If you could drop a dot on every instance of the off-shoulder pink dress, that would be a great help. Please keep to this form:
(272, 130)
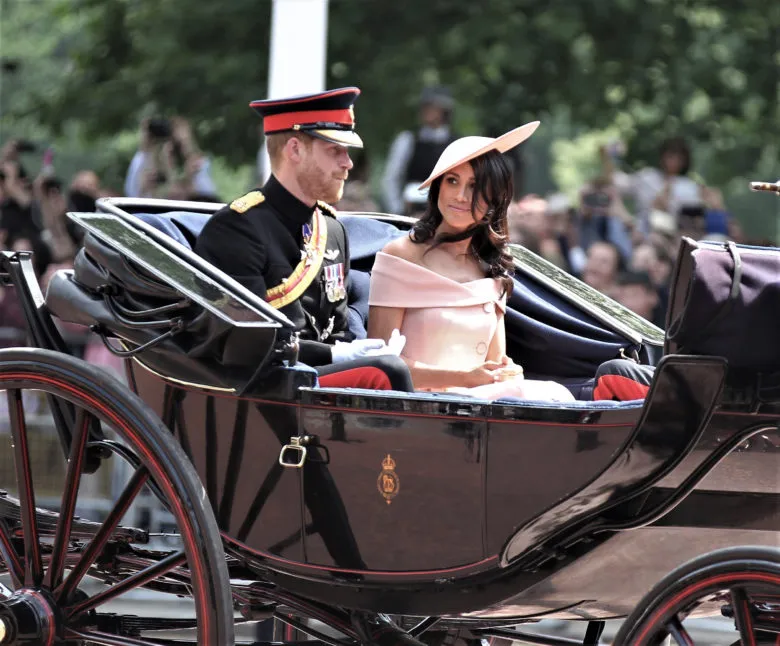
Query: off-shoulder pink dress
(451, 324)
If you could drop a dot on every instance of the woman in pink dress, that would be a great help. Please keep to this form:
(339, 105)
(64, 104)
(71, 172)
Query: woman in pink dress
(445, 286)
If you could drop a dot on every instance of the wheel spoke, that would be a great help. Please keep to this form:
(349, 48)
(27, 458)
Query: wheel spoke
(678, 632)
(744, 620)
(136, 580)
(69, 496)
(9, 556)
(132, 489)
(33, 569)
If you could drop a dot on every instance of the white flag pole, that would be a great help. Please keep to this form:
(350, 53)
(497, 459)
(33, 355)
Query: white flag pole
(298, 55)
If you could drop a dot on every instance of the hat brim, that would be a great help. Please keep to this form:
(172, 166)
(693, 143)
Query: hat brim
(465, 149)
(342, 137)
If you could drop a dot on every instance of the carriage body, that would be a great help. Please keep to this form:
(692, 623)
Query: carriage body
(428, 504)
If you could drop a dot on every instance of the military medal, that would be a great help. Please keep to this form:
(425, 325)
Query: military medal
(307, 253)
(334, 282)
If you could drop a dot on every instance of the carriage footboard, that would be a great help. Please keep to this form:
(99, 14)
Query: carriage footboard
(678, 407)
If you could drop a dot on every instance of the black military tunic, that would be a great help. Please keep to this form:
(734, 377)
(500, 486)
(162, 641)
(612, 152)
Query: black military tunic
(261, 246)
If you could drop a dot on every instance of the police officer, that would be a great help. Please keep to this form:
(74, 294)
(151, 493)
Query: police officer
(285, 244)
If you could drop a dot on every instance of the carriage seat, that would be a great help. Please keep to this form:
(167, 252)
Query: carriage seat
(182, 226)
(366, 237)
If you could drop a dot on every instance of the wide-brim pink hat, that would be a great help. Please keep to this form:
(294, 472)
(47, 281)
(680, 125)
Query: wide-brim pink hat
(467, 148)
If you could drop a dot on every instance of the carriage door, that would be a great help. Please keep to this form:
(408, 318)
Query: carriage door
(395, 483)
(234, 444)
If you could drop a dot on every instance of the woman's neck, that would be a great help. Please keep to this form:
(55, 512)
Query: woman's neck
(459, 249)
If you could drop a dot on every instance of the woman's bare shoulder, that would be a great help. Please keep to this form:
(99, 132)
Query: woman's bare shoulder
(403, 248)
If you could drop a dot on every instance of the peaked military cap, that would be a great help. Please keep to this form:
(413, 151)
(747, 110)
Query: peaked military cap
(328, 115)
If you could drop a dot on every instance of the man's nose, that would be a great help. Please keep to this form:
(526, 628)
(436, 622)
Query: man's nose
(346, 162)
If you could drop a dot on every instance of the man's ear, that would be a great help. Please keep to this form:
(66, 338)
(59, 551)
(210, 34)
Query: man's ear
(293, 150)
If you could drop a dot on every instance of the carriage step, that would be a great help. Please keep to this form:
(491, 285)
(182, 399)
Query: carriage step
(47, 523)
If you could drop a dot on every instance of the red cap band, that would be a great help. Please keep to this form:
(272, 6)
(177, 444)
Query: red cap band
(286, 121)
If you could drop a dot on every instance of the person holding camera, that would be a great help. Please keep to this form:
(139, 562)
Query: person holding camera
(16, 196)
(667, 188)
(169, 163)
(601, 216)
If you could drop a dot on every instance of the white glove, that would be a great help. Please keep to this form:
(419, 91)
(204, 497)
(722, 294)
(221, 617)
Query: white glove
(355, 349)
(341, 352)
(394, 346)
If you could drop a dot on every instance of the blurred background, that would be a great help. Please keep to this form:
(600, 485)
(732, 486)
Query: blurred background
(655, 115)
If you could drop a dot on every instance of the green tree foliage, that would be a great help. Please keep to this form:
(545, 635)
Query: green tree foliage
(647, 68)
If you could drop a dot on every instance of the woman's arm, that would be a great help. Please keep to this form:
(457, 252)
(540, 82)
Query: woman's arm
(497, 349)
(381, 323)
(497, 352)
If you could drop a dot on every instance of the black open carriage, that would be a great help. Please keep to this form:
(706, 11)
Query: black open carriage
(372, 517)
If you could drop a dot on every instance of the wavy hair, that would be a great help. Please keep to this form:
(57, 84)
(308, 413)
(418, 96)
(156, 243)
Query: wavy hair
(489, 237)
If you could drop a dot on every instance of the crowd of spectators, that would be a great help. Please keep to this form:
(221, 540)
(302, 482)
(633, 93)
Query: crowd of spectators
(622, 233)
(167, 164)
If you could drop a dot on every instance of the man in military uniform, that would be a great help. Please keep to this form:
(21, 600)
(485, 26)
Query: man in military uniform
(285, 244)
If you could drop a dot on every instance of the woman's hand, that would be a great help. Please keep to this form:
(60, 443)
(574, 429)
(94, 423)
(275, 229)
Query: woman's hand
(509, 370)
(487, 373)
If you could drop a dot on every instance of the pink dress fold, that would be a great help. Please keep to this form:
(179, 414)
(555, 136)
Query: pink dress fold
(451, 324)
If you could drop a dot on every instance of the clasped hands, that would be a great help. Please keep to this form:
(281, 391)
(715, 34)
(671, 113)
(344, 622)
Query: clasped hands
(368, 348)
(493, 371)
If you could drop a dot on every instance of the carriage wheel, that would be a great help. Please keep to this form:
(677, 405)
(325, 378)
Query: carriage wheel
(57, 562)
(741, 583)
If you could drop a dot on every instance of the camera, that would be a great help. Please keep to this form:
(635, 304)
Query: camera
(25, 146)
(693, 211)
(597, 200)
(159, 128)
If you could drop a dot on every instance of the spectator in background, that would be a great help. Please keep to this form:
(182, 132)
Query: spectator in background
(357, 190)
(653, 260)
(636, 291)
(16, 200)
(666, 188)
(413, 154)
(601, 217)
(168, 163)
(532, 225)
(602, 266)
(357, 197)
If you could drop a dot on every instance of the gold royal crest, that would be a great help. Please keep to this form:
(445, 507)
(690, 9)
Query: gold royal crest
(388, 481)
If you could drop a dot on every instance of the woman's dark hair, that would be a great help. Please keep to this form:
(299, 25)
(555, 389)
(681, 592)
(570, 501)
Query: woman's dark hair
(489, 238)
(680, 146)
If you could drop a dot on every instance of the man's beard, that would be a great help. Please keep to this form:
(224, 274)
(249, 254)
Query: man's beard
(320, 185)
